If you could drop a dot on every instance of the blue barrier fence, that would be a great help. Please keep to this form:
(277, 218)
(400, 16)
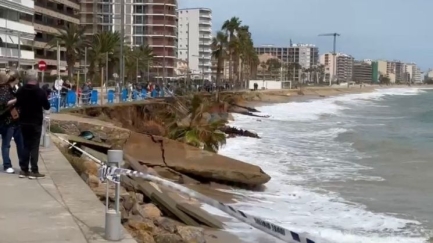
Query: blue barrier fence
(70, 100)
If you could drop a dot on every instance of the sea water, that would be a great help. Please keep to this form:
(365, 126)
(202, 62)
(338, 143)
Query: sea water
(352, 168)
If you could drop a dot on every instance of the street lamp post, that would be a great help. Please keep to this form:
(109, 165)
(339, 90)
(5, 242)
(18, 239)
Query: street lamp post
(122, 36)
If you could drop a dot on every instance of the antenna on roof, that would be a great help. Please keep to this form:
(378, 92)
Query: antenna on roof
(291, 44)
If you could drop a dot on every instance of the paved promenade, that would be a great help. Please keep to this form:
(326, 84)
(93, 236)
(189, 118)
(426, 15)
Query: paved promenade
(58, 209)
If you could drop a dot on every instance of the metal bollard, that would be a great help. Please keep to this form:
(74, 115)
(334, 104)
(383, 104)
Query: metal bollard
(113, 225)
(44, 127)
(45, 135)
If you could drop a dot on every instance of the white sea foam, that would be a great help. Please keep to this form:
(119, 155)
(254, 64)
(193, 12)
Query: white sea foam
(298, 149)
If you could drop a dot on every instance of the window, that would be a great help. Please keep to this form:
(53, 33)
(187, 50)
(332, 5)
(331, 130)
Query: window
(138, 19)
(138, 40)
(138, 30)
(139, 9)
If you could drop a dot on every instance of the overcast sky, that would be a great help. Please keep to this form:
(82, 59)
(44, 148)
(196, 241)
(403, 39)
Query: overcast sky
(376, 29)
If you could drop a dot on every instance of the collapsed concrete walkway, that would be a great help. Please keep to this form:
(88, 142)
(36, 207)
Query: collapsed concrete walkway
(60, 208)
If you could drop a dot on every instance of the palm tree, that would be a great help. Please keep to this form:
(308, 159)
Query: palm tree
(273, 65)
(103, 45)
(247, 54)
(231, 27)
(137, 58)
(196, 129)
(263, 67)
(292, 68)
(219, 44)
(72, 39)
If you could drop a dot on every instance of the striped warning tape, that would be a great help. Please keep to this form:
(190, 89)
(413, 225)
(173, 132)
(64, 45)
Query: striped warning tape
(113, 174)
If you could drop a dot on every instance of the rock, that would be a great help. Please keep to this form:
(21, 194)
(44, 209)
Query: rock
(151, 211)
(191, 234)
(100, 191)
(139, 197)
(192, 161)
(128, 202)
(91, 168)
(124, 214)
(145, 225)
(93, 181)
(168, 238)
(144, 237)
(138, 210)
(166, 224)
(141, 230)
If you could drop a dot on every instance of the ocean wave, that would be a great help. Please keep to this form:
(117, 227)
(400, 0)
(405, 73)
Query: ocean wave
(301, 147)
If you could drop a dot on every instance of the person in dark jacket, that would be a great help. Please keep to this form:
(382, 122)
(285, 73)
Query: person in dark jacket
(9, 126)
(31, 100)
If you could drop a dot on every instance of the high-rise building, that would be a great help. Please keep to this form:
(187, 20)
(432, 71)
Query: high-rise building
(282, 53)
(195, 39)
(49, 17)
(146, 22)
(343, 66)
(16, 37)
(306, 55)
(362, 72)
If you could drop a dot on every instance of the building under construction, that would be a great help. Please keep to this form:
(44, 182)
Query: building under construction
(146, 22)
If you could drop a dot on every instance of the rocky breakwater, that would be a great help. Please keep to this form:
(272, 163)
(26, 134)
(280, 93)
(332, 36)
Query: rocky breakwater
(146, 214)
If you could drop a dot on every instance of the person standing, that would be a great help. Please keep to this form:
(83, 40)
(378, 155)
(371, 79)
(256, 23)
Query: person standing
(66, 86)
(31, 99)
(9, 127)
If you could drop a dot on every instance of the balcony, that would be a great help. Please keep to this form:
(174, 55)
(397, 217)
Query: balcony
(10, 53)
(22, 6)
(57, 14)
(160, 12)
(160, 2)
(205, 30)
(157, 34)
(26, 31)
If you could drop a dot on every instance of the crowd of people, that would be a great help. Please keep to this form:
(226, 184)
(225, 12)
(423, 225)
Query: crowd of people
(21, 119)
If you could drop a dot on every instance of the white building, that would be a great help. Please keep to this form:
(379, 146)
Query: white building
(14, 35)
(195, 39)
(413, 73)
(338, 69)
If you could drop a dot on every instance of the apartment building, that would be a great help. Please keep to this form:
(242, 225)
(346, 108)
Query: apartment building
(281, 53)
(48, 18)
(344, 67)
(146, 22)
(413, 73)
(362, 72)
(195, 39)
(338, 69)
(306, 55)
(16, 37)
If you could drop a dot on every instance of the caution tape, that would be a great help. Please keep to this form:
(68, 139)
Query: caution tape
(113, 174)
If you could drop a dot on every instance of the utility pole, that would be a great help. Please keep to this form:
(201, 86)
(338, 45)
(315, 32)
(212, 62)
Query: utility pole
(202, 65)
(122, 36)
(136, 70)
(19, 51)
(106, 70)
(85, 64)
(164, 70)
(188, 75)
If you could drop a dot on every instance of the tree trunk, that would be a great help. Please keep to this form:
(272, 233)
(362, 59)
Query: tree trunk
(70, 64)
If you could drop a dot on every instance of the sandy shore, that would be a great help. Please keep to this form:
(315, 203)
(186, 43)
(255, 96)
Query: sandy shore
(267, 97)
